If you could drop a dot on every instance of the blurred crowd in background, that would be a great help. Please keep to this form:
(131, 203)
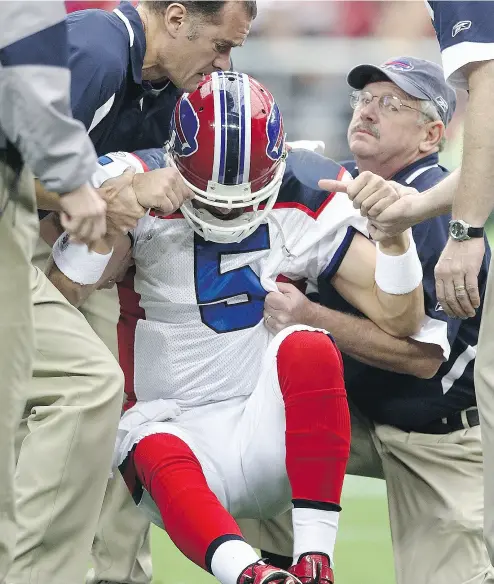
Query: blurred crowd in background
(303, 49)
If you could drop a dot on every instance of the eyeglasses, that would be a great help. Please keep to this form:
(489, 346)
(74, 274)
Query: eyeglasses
(388, 104)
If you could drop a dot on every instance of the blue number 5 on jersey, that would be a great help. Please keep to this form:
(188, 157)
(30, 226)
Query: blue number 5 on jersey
(213, 287)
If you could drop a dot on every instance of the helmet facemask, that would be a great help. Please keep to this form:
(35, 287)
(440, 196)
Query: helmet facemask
(223, 230)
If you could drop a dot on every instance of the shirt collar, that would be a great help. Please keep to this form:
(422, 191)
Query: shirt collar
(404, 175)
(128, 16)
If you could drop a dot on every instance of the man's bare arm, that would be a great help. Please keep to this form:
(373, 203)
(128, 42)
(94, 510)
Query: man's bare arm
(437, 200)
(46, 200)
(366, 342)
(393, 207)
(474, 199)
(358, 337)
(399, 315)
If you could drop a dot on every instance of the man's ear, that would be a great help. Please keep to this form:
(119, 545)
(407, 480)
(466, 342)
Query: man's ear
(175, 17)
(434, 133)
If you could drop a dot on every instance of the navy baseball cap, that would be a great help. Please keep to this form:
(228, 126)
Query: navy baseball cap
(419, 78)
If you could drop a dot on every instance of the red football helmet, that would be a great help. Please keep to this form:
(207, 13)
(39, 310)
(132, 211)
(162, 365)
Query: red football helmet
(227, 142)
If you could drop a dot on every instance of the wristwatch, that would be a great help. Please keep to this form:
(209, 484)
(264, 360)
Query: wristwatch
(461, 231)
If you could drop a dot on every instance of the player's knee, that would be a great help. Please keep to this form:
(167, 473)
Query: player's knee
(163, 452)
(309, 349)
(310, 355)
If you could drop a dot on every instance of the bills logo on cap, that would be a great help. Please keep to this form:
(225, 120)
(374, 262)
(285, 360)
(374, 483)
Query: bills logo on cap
(442, 103)
(398, 65)
(274, 131)
(185, 127)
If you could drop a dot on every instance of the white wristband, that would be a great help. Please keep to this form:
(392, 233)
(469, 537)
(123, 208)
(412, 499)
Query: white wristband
(314, 145)
(78, 263)
(399, 274)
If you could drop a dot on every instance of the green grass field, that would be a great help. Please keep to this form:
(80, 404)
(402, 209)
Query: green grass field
(363, 550)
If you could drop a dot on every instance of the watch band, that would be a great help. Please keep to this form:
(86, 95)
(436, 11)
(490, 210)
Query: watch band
(475, 232)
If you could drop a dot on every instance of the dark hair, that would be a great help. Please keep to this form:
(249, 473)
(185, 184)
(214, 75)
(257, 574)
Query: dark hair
(208, 9)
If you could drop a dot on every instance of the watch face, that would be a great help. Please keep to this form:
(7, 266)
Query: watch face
(457, 230)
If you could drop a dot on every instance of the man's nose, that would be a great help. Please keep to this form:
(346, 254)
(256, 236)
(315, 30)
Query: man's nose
(370, 112)
(223, 62)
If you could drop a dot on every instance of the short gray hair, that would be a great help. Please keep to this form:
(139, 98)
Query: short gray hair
(429, 113)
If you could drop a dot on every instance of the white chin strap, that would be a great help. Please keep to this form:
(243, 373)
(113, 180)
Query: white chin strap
(212, 228)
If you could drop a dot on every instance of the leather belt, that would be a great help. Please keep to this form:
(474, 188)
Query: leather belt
(10, 156)
(457, 421)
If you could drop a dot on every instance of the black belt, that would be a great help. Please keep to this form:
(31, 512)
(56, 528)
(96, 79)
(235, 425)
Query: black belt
(457, 421)
(11, 157)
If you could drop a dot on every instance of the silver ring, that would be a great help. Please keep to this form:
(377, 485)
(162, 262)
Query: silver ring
(459, 288)
(266, 318)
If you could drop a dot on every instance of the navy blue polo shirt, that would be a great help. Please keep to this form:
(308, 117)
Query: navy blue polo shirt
(120, 111)
(465, 31)
(406, 401)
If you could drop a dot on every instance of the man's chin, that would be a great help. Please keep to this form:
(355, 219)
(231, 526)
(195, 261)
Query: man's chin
(360, 147)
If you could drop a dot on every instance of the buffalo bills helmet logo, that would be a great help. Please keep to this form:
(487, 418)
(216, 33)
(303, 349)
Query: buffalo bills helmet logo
(274, 131)
(399, 65)
(185, 127)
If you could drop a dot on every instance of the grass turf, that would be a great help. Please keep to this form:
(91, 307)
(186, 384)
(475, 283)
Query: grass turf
(363, 550)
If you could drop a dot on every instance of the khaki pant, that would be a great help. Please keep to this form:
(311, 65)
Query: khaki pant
(121, 550)
(65, 442)
(484, 387)
(18, 230)
(435, 498)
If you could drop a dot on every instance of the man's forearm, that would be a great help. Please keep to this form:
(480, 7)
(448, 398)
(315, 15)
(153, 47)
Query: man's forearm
(403, 309)
(46, 200)
(439, 199)
(361, 339)
(474, 199)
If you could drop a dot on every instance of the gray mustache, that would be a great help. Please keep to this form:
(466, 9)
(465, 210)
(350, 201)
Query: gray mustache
(373, 131)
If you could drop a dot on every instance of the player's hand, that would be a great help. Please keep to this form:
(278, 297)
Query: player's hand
(389, 206)
(162, 189)
(456, 274)
(83, 215)
(123, 209)
(285, 308)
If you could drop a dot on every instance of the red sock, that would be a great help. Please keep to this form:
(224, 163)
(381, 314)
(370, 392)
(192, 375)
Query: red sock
(193, 517)
(310, 372)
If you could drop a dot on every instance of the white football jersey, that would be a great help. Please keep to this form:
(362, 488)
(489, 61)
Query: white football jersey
(192, 327)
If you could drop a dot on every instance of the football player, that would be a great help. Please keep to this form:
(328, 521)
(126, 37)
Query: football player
(224, 419)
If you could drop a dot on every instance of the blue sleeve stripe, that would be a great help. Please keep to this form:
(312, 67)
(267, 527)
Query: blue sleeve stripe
(104, 160)
(337, 258)
(47, 47)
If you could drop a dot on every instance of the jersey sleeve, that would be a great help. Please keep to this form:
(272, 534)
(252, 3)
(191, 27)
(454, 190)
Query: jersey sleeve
(465, 31)
(437, 328)
(115, 164)
(318, 227)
